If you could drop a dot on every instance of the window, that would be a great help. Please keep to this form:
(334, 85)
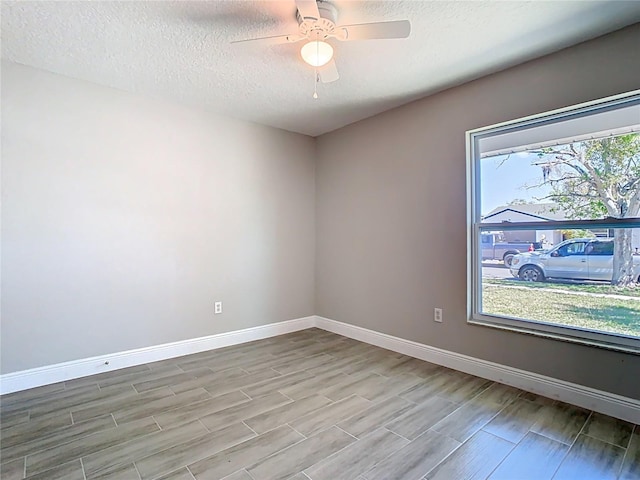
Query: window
(599, 248)
(576, 248)
(554, 224)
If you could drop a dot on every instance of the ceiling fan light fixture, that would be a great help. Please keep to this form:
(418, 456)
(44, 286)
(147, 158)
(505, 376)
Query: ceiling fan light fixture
(317, 53)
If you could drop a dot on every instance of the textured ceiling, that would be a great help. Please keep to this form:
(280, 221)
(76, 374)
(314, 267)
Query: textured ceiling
(179, 50)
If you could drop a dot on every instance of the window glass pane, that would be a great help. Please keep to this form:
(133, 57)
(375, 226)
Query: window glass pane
(575, 248)
(567, 281)
(598, 247)
(588, 179)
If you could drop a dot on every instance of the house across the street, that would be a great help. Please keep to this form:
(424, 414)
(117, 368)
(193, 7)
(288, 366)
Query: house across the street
(536, 212)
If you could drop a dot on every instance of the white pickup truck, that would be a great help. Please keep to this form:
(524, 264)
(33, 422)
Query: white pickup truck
(577, 259)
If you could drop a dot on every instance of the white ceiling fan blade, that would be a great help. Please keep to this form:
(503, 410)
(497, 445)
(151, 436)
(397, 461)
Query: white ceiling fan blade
(275, 40)
(329, 72)
(370, 31)
(308, 9)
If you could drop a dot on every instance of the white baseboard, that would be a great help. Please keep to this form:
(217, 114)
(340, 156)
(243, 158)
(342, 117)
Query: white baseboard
(36, 377)
(604, 402)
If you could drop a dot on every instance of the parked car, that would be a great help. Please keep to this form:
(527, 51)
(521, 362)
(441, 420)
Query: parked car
(577, 259)
(494, 247)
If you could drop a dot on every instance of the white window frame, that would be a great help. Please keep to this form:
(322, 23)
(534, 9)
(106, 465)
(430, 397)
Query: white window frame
(475, 226)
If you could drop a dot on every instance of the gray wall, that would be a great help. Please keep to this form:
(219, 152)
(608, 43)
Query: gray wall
(124, 218)
(391, 212)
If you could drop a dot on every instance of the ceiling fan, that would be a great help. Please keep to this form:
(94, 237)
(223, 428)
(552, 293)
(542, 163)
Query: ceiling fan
(317, 24)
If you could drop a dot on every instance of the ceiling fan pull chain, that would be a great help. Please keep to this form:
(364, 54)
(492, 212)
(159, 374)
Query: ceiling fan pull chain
(315, 84)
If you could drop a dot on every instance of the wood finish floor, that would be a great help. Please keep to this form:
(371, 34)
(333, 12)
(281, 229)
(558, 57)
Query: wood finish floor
(307, 405)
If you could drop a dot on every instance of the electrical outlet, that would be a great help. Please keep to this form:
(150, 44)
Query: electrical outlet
(217, 307)
(437, 315)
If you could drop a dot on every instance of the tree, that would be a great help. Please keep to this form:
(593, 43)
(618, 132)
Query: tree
(594, 179)
(573, 233)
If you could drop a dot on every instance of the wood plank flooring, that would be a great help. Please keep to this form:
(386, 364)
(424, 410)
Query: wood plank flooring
(307, 405)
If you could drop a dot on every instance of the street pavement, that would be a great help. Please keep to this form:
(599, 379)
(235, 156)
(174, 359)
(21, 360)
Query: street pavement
(495, 270)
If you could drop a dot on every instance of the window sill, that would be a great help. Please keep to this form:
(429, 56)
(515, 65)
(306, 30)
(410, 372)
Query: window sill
(560, 333)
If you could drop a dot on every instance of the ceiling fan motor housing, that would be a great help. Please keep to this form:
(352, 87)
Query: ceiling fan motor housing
(322, 27)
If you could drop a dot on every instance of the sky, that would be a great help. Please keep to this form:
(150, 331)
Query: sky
(503, 183)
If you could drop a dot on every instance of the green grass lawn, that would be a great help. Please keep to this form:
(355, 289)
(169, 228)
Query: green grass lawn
(603, 288)
(615, 315)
